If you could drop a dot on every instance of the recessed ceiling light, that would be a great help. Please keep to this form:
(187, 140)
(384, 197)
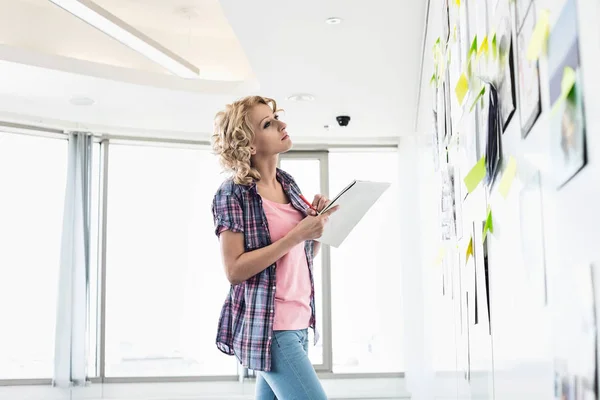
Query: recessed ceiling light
(187, 12)
(82, 101)
(333, 21)
(301, 97)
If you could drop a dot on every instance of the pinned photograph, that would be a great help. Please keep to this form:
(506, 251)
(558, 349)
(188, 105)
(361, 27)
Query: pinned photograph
(567, 126)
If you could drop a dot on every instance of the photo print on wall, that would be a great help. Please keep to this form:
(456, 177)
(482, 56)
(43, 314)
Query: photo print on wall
(567, 121)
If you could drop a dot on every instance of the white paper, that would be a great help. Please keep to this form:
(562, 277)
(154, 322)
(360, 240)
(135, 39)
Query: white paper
(354, 204)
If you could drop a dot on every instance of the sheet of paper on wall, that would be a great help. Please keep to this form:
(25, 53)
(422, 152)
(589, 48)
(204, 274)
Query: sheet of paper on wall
(354, 200)
(532, 236)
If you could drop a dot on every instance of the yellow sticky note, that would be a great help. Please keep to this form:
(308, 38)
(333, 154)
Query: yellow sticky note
(437, 54)
(461, 89)
(473, 49)
(479, 96)
(440, 256)
(539, 38)
(475, 175)
(469, 250)
(568, 81)
(457, 3)
(435, 49)
(566, 86)
(484, 47)
(469, 69)
(508, 176)
(489, 224)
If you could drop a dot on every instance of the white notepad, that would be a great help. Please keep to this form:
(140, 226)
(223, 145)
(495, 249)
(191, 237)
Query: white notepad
(354, 201)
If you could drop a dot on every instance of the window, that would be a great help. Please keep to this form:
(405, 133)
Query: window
(306, 170)
(164, 280)
(365, 272)
(33, 174)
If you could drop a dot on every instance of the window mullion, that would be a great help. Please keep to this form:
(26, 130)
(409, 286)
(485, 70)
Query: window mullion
(101, 349)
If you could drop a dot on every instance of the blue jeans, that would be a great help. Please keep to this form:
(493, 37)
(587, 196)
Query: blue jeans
(292, 376)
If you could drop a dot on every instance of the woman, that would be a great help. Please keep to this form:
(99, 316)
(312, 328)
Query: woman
(267, 238)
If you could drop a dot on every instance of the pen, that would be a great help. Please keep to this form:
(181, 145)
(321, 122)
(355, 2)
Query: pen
(308, 203)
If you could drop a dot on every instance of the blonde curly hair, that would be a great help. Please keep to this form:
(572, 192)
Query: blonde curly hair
(233, 135)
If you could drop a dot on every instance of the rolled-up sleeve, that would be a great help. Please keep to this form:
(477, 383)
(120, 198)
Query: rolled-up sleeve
(227, 213)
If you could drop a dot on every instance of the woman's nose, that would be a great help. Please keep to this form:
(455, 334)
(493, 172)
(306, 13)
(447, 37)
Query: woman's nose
(282, 125)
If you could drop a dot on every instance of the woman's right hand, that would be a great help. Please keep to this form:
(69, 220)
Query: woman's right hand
(311, 227)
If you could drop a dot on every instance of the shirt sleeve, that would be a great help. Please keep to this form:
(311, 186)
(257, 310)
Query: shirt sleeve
(227, 214)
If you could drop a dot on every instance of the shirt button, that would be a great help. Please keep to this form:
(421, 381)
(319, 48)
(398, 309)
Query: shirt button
(273, 287)
(271, 311)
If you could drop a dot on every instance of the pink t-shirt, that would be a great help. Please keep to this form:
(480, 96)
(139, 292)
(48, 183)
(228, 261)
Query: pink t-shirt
(293, 289)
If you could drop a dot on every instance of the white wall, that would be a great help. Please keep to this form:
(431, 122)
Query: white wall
(516, 362)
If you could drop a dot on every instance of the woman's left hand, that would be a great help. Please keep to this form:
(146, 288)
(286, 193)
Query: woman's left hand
(319, 203)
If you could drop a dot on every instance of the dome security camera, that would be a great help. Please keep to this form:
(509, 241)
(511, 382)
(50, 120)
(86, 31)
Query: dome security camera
(343, 120)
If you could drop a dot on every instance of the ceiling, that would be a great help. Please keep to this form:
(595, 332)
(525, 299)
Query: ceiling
(197, 30)
(366, 67)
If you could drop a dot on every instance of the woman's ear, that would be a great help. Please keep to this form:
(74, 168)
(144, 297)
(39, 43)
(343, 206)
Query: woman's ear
(253, 150)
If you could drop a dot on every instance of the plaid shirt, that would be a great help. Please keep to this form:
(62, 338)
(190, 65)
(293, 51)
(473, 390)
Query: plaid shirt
(246, 321)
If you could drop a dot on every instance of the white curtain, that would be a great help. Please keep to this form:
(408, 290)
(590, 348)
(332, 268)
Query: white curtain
(417, 313)
(73, 294)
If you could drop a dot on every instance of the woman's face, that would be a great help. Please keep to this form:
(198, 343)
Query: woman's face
(270, 135)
